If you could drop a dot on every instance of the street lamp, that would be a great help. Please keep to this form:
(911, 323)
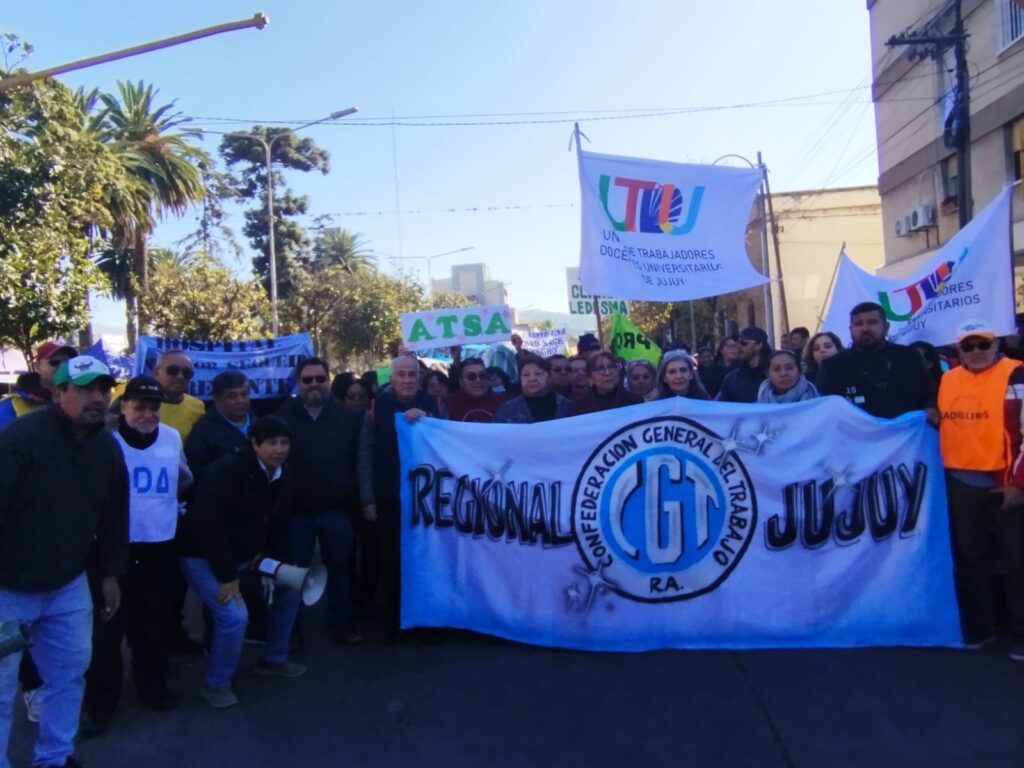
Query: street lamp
(268, 147)
(429, 260)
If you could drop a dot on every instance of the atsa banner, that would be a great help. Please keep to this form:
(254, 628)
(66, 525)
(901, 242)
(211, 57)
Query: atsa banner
(269, 364)
(680, 524)
(437, 328)
(968, 278)
(664, 231)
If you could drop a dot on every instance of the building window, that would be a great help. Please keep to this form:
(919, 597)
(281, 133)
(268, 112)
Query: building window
(949, 186)
(1013, 21)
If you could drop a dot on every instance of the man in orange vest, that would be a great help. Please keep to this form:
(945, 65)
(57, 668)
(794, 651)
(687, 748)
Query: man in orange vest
(980, 431)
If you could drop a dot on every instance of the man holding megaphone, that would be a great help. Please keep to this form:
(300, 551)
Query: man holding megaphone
(235, 525)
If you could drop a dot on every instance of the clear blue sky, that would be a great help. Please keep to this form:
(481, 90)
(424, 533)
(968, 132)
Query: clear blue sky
(451, 58)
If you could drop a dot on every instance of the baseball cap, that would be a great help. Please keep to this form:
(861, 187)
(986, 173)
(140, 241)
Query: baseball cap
(47, 349)
(82, 370)
(753, 333)
(974, 328)
(143, 388)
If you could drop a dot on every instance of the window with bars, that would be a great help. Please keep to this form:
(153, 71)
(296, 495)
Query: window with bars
(1013, 20)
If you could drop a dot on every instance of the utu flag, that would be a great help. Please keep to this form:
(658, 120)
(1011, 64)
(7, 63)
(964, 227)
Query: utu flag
(664, 231)
(680, 524)
(630, 343)
(968, 278)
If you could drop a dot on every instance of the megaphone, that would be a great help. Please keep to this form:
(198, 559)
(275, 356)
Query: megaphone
(310, 582)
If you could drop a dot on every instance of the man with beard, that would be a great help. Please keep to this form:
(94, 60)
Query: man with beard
(33, 391)
(741, 384)
(63, 492)
(324, 446)
(879, 376)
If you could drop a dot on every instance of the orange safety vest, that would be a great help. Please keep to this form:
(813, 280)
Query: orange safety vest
(972, 429)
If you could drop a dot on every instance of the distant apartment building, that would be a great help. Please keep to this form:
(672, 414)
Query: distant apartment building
(913, 89)
(473, 282)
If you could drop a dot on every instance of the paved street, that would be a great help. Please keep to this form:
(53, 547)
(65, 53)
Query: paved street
(475, 701)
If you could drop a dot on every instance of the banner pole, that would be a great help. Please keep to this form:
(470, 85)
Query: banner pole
(597, 299)
(784, 317)
(765, 265)
(831, 285)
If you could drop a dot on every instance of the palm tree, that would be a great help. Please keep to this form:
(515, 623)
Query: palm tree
(164, 168)
(346, 249)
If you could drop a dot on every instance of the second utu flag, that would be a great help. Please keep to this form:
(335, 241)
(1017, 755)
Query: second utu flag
(664, 231)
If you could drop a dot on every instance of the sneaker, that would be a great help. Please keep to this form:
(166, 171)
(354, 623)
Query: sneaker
(975, 643)
(220, 697)
(31, 705)
(1017, 651)
(280, 669)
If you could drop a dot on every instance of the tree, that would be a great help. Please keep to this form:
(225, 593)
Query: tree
(335, 245)
(165, 168)
(198, 298)
(54, 182)
(317, 292)
(366, 322)
(289, 151)
(213, 235)
(446, 299)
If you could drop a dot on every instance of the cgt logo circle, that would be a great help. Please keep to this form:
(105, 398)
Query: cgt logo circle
(663, 510)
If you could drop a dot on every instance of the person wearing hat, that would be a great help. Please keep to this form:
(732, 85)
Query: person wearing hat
(149, 615)
(980, 433)
(879, 376)
(741, 384)
(63, 492)
(35, 391)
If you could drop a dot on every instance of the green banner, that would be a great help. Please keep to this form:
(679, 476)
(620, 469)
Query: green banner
(630, 343)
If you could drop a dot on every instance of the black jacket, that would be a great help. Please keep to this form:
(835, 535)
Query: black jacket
(885, 382)
(323, 456)
(740, 385)
(236, 514)
(212, 437)
(58, 496)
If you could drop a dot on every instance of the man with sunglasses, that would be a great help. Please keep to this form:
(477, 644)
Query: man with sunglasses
(23, 400)
(174, 371)
(474, 400)
(324, 447)
(561, 378)
(63, 499)
(742, 383)
(980, 432)
(877, 375)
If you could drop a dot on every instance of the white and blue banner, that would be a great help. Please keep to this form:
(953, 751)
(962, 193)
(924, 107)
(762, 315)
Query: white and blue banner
(680, 524)
(545, 343)
(664, 231)
(269, 364)
(968, 278)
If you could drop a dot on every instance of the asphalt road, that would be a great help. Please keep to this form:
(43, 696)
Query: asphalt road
(476, 701)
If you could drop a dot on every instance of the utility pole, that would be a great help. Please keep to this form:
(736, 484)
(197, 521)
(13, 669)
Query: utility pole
(957, 132)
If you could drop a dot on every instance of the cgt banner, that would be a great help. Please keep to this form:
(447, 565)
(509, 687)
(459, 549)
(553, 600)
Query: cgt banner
(269, 364)
(664, 231)
(436, 328)
(680, 524)
(969, 278)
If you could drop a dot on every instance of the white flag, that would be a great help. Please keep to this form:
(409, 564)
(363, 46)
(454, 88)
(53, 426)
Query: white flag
(969, 278)
(664, 231)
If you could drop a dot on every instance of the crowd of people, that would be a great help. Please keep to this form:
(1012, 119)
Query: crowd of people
(111, 511)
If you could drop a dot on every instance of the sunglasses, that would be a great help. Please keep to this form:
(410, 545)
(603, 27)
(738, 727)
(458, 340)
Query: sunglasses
(970, 346)
(319, 379)
(179, 370)
(58, 362)
(471, 376)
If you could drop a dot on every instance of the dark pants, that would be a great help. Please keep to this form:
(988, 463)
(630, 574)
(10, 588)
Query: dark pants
(979, 527)
(390, 549)
(333, 529)
(365, 567)
(149, 618)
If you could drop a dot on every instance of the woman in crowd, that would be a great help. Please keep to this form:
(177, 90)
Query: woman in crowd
(435, 383)
(538, 402)
(820, 347)
(500, 381)
(677, 377)
(355, 396)
(709, 372)
(640, 378)
(933, 362)
(785, 383)
(606, 391)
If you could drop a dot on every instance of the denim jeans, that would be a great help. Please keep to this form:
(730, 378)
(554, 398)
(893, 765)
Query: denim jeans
(229, 621)
(334, 530)
(59, 624)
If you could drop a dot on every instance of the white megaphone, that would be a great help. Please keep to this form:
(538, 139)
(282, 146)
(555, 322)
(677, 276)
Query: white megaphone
(310, 582)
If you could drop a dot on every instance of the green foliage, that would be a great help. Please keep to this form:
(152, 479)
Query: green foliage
(446, 299)
(197, 297)
(367, 319)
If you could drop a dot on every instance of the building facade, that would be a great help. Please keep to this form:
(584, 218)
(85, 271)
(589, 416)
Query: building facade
(913, 89)
(473, 282)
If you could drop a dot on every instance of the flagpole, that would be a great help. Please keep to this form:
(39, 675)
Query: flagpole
(784, 318)
(597, 302)
(831, 285)
(762, 213)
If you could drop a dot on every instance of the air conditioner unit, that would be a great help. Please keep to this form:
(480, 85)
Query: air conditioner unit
(922, 217)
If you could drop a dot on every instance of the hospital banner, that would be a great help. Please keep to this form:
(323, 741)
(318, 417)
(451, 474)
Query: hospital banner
(268, 364)
(436, 328)
(664, 231)
(680, 524)
(968, 278)
(545, 343)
